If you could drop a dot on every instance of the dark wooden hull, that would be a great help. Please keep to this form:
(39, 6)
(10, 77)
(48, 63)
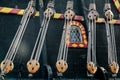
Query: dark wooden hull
(76, 57)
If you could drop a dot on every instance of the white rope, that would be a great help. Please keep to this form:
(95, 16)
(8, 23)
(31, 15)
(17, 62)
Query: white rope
(18, 44)
(92, 33)
(91, 54)
(36, 43)
(112, 53)
(16, 39)
(89, 44)
(114, 43)
(94, 42)
(43, 30)
(65, 46)
(67, 31)
(109, 43)
(62, 49)
(62, 42)
(42, 40)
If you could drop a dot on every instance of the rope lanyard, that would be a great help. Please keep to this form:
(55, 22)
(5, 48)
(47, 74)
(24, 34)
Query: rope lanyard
(61, 63)
(33, 64)
(112, 52)
(91, 54)
(7, 64)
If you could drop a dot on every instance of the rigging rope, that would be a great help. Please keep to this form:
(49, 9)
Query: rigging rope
(91, 54)
(7, 64)
(33, 64)
(112, 52)
(61, 63)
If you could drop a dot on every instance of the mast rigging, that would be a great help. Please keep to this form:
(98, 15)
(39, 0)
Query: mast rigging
(61, 63)
(112, 52)
(91, 54)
